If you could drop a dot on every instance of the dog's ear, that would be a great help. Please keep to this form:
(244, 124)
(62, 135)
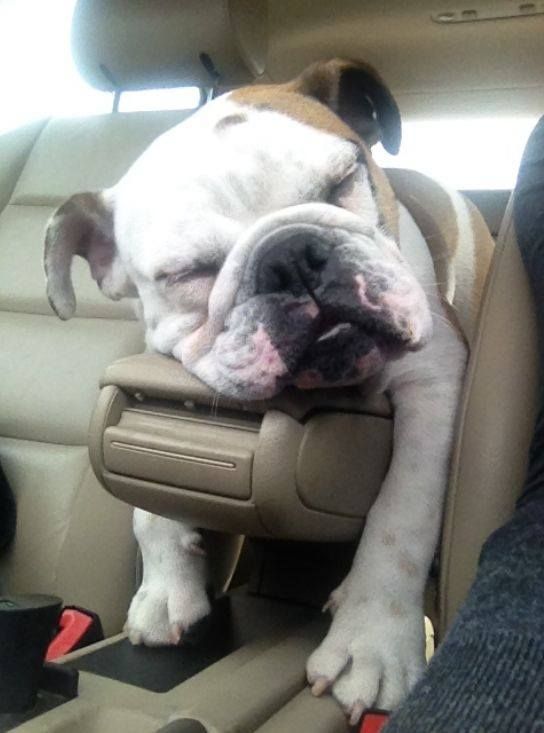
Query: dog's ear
(82, 226)
(357, 94)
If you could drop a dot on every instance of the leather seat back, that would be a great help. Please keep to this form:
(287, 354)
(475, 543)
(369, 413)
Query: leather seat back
(73, 539)
(495, 423)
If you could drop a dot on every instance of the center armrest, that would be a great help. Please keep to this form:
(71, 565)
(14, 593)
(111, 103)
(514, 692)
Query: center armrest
(304, 465)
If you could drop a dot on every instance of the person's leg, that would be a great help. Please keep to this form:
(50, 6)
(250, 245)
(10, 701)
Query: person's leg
(488, 675)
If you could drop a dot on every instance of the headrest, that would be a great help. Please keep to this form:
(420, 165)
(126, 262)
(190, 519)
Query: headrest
(144, 44)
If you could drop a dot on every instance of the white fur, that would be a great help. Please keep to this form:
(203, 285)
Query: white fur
(172, 595)
(196, 191)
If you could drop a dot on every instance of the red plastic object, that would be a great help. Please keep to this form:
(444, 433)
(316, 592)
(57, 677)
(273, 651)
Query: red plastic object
(73, 626)
(373, 721)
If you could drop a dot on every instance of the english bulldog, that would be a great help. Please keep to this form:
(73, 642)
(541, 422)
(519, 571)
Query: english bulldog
(268, 249)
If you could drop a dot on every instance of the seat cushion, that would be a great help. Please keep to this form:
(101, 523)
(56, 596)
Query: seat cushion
(496, 423)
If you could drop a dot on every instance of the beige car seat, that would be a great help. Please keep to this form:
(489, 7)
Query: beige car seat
(495, 423)
(72, 538)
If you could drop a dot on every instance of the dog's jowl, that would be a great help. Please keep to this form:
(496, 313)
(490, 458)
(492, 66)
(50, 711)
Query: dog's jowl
(268, 249)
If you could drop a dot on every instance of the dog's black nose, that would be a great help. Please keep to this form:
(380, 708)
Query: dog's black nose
(294, 266)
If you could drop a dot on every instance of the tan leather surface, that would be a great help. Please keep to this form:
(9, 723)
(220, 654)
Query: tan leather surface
(36, 470)
(50, 372)
(496, 423)
(301, 485)
(302, 471)
(342, 462)
(204, 454)
(72, 538)
(304, 712)
(14, 149)
(159, 43)
(87, 154)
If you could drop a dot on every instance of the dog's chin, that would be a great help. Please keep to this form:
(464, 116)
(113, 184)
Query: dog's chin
(348, 371)
(346, 356)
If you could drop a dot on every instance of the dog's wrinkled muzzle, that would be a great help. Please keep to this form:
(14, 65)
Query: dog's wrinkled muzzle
(309, 296)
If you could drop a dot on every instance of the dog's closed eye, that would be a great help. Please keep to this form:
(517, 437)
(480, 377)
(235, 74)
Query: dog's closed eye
(187, 274)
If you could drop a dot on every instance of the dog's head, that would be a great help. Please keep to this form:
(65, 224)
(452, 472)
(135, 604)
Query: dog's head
(260, 238)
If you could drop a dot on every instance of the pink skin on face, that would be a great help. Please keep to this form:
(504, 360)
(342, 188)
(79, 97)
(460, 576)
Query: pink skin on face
(361, 292)
(310, 309)
(260, 365)
(370, 364)
(406, 303)
(267, 358)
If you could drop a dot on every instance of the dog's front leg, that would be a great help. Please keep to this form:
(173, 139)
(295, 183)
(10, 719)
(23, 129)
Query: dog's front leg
(374, 650)
(172, 596)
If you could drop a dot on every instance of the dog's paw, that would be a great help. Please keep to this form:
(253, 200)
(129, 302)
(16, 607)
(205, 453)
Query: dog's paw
(371, 657)
(160, 613)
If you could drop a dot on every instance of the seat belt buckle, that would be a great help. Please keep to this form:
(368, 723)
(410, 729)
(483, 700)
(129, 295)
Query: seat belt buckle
(77, 627)
(373, 721)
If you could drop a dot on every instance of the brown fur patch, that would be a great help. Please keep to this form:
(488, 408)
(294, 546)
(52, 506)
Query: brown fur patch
(397, 609)
(483, 252)
(88, 210)
(89, 203)
(284, 98)
(230, 121)
(388, 539)
(433, 212)
(408, 567)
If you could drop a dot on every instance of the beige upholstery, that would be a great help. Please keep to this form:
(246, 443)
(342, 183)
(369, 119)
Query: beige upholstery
(298, 466)
(259, 687)
(72, 538)
(496, 422)
(434, 70)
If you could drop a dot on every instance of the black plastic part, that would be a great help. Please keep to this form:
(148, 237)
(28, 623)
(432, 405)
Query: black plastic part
(235, 620)
(60, 680)
(184, 725)
(27, 624)
(299, 572)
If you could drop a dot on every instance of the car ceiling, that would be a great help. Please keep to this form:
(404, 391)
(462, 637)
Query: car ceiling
(435, 69)
(449, 68)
